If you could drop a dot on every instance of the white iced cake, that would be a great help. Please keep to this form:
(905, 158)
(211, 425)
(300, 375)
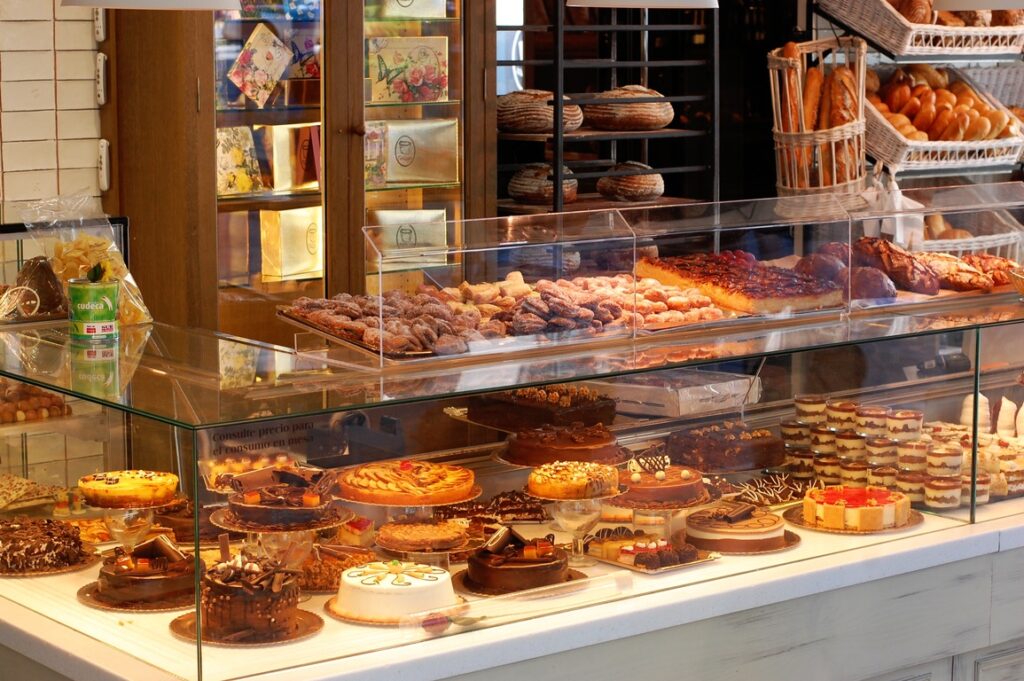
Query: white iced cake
(384, 592)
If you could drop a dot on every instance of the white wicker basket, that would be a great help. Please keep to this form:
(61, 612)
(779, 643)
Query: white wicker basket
(995, 233)
(799, 153)
(1005, 82)
(890, 30)
(888, 145)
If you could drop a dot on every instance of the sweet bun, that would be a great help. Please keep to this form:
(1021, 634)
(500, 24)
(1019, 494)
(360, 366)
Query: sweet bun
(533, 184)
(632, 116)
(820, 266)
(645, 187)
(529, 111)
(866, 283)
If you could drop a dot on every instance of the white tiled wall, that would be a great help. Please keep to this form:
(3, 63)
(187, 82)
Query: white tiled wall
(49, 123)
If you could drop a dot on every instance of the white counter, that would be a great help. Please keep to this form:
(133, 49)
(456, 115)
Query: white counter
(91, 644)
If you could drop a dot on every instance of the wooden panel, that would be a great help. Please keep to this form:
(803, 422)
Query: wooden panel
(999, 663)
(1008, 596)
(481, 128)
(848, 635)
(160, 123)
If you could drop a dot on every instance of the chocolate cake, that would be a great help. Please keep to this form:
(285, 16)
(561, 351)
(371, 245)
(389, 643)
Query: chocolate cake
(249, 598)
(729, 446)
(31, 544)
(508, 563)
(576, 442)
(155, 570)
(37, 292)
(180, 517)
(290, 497)
(559, 405)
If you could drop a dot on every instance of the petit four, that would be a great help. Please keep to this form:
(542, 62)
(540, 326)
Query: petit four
(356, 532)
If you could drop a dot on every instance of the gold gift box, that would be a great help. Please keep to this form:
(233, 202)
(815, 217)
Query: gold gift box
(291, 243)
(413, 9)
(419, 236)
(423, 151)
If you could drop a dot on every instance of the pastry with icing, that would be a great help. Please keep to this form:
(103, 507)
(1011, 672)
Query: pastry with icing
(382, 592)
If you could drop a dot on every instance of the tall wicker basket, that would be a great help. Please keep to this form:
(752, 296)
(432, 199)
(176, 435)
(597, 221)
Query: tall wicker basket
(799, 153)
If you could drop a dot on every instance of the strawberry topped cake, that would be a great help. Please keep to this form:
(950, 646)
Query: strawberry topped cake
(863, 509)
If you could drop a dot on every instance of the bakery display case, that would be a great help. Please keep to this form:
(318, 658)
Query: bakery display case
(349, 507)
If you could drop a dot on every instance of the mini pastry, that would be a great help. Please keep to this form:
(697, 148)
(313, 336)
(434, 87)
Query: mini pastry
(945, 460)
(913, 456)
(882, 476)
(982, 489)
(882, 451)
(802, 467)
(912, 484)
(854, 473)
(823, 440)
(871, 421)
(984, 413)
(1006, 423)
(795, 433)
(851, 446)
(841, 414)
(904, 424)
(827, 468)
(942, 492)
(811, 408)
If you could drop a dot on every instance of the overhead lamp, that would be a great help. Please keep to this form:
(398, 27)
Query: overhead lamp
(154, 4)
(648, 4)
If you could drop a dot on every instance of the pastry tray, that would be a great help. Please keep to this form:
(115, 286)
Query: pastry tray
(702, 557)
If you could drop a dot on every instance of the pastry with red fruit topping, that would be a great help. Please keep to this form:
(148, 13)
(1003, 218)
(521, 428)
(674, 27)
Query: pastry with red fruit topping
(863, 509)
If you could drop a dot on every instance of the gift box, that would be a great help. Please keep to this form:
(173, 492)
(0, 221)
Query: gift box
(294, 10)
(305, 46)
(287, 155)
(421, 236)
(233, 247)
(413, 9)
(260, 65)
(238, 169)
(680, 392)
(422, 151)
(408, 69)
(375, 154)
(291, 243)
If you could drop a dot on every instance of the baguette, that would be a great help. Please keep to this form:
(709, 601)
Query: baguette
(929, 74)
(824, 122)
(844, 110)
(812, 97)
(791, 113)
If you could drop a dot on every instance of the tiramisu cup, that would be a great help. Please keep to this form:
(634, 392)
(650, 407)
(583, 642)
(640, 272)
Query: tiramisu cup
(871, 420)
(913, 456)
(802, 466)
(942, 492)
(881, 451)
(982, 490)
(827, 469)
(810, 408)
(945, 460)
(795, 433)
(904, 424)
(882, 476)
(911, 484)
(851, 446)
(854, 473)
(823, 440)
(841, 414)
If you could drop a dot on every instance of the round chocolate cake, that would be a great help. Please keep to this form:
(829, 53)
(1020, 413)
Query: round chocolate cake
(154, 571)
(548, 444)
(30, 544)
(510, 563)
(249, 598)
(279, 506)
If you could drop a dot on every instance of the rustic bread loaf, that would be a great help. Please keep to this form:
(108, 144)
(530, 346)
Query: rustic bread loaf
(529, 111)
(645, 187)
(635, 116)
(533, 183)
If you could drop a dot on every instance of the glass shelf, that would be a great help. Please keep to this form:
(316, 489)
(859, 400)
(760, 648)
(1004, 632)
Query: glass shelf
(415, 185)
(399, 105)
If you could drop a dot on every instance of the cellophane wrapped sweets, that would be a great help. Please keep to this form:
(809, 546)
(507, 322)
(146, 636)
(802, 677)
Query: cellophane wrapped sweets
(75, 242)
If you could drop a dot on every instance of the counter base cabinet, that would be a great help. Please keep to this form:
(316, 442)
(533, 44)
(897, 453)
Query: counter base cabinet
(1001, 663)
(940, 670)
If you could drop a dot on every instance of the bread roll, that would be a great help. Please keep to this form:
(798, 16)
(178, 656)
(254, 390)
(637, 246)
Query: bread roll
(949, 19)
(871, 81)
(1008, 17)
(645, 187)
(898, 97)
(529, 111)
(865, 283)
(934, 225)
(999, 121)
(948, 234)
(956, 130)
(975, 17)
(942, 121)
(929, 74)
(820, 266)
(533, 183)
(978, 129)
(636, 116)
(916, 11)
(925, 117)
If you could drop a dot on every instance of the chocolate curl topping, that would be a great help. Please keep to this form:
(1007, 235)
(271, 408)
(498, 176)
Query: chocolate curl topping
(498, 541)
(738, 512)
(325, 483)
(225, 547)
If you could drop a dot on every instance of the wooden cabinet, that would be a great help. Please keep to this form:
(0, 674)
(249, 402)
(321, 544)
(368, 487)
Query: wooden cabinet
(207, 258)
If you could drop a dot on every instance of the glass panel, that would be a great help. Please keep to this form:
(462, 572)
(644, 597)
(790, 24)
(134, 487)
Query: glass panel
(270, 233)
(414, 161)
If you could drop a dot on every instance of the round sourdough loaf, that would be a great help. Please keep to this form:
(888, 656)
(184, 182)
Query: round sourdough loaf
(632, 116)
(646, 187)
(533, 184)
(529, 111)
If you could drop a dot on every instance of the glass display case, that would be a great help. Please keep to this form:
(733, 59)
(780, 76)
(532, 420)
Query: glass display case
(345, 511)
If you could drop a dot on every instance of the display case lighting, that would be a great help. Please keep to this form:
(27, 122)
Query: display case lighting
(154, 4)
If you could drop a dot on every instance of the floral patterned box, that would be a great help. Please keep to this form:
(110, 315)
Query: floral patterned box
(375, 154)
(238, 169)
(260, 65)
(413, 9)
(408, 69)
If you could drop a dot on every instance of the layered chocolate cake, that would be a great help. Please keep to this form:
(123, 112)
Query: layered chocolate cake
(508, 563)
(558, 405)
(155, 570)
(736, 528)
(249, 598)
(563, 443)
(31, 544)
(283, 498)
(180, 518)
(729, 446)
(652, 479)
